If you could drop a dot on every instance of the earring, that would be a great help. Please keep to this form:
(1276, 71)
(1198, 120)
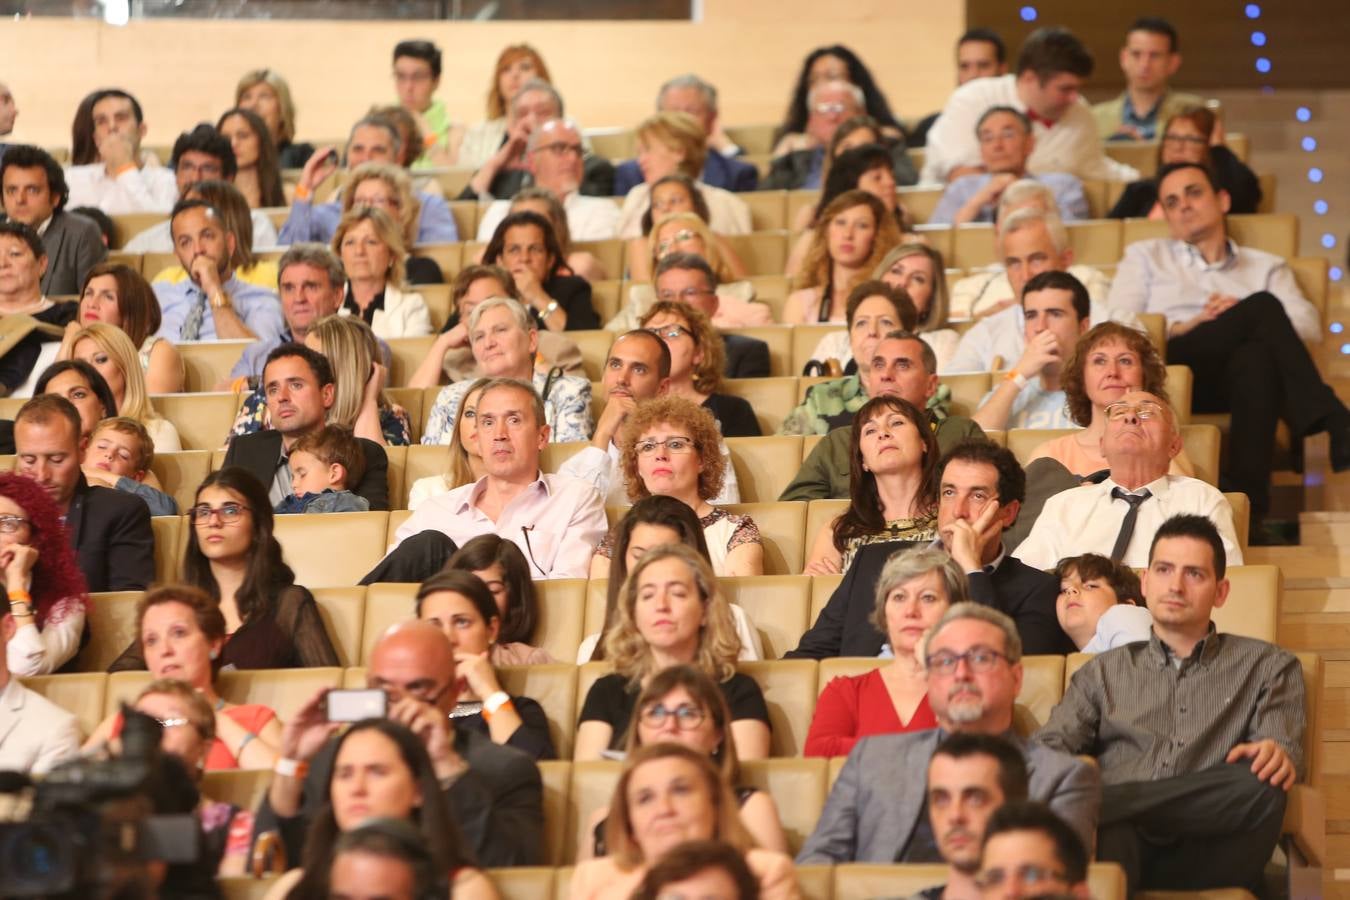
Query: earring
(214, 654)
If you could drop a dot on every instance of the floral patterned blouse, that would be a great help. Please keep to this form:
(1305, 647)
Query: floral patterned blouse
(395, 423)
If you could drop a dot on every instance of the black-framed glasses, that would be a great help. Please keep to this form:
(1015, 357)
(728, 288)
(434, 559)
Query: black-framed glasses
(227, 513)
(671, 332)
(1028, 874)
(687, 716)
(11, 524)
(980, 659)
(674, 446)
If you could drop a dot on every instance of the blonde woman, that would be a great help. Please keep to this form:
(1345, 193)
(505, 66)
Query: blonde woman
(372, 252)
(389, 188)
(670, 143)
(108, 349)
(266, 93)
(852, 236)
(516, 65)
(465, 463)
(670, 613)
(677, 193)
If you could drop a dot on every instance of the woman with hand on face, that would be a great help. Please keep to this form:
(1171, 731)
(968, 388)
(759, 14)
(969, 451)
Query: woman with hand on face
(382, 771)
(915, 588)
(86, 389)
(462, 607)
(43, 583)
(918, 270)
(893, 475)
(671, 613)
(266, 93)
(108, 349)
(852, 235)
(582, 263)
(182, 634)
(465, 464)
(117, 295)
(669, 794)
(697, 361)
(450, 353)
(500, 565)
(258, 176)
(681, 705)
(516, 65)
(372, 254)
(526, 245)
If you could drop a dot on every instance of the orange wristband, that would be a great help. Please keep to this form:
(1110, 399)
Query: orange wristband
(301, 192)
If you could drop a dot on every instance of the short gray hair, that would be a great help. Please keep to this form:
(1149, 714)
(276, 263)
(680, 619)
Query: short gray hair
(316, 255)
(518, 313)
(906, 565)
(1025, 218)
(536, 402)
(859, 99)
(383, 124)
(926, 353)
(1012, 641)
(689, 81)
(541, 86)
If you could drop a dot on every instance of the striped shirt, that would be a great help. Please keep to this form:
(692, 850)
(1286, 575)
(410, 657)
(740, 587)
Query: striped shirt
(1147, 716)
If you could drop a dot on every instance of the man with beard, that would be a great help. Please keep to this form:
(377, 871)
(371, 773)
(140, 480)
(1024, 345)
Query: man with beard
(877, 810)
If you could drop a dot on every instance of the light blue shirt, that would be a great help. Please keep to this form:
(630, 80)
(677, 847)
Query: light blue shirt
(1035, 407)
(257, 306)
(1068, 191)
(318, 222)
(1120, 625)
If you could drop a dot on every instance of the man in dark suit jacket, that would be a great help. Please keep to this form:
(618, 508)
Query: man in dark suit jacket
(34, 192)
(687, 278)
(299, 386)
(981, 491)
(109, 530)
(494, 794)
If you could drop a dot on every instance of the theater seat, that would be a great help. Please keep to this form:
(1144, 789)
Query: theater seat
(207, 364)
(781, 527)
(856, 881)
(789, 687)
(180, 474)
(523, 882)
(557, 779)
(607, 297)
(771, 398)
(798, 790)
(779, 339)
(804, 341)
(822, 586)
(967, 391)
(1155, 326)
(343, 610)
(768, 209)
(552, 686)
(419, 461)
(386, 603)
(1042, 688)
(407, 354)
(1241, 505)
(203, 420)
(242, 787)
(592, 788)
(777, 605)
(920, 202)
(80, 693)
(284, 690)
(309, 544)
(763, 252)
(596, 597)
(765, 465)
(411, 400)
(111, 619)
(550, 459)
(437, 296)
(973, 245)
(171, 535)
(1253, 605)
(242, 887)
(816, 882)
(820, 513)
(562, 604)
(1095, 242)
(609, 253)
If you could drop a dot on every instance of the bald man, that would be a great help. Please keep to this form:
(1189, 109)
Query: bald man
(493, 793)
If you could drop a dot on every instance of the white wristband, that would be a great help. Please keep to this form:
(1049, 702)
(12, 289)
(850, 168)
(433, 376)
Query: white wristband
(1018, 379)
(288, 768)
(496, 701)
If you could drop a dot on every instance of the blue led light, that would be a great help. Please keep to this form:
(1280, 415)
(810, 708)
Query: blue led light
(1329, 241)
(1303, 114)
(1345, 348)
(1253, 11)
(1258, 38)
(1309, 144)
(1320, 207)
(1028, 13)
(1335, 273)
(1315, 175)
(1262, 64)
(1336, 328)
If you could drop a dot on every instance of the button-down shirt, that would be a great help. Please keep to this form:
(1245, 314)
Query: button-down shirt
(567, 409)
(1087, 519)
(1067, 189)
(1035, 407)
(1145, 717)
(588, 218)
(1172, 277)
(1071, 145)
(604, 469)
(258, 307)
(147, 189)
(556, 521)
(310, 221)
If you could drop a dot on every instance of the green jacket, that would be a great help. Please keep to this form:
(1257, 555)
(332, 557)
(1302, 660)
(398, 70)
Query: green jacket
(824, 475)
(1109, 113)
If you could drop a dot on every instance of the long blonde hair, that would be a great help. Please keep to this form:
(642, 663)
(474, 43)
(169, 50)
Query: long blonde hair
(818, 265)
(114, 342)
(409, 207)
(718, 645)
(351, 349)
(458, 471)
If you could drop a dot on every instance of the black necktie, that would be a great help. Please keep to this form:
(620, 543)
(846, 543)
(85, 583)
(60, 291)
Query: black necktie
(1127, 526)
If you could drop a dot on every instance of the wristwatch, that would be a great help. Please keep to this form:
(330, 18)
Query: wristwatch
(18, 608)
(219, 300)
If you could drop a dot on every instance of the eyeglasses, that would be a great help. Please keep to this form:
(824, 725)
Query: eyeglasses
(684, 234)
(11, 524)
(980, 659)
(1143, 411)
(1007, 134)
(673, 445)
(423, 689)
(559, 149)
(1184, 139)
(688, 295)
(1028, 874)
(173, 723)
(227, 513)
(687, 716)
(671, 332)
(831, 109)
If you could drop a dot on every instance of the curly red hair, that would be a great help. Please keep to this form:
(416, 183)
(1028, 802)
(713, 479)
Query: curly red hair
(56, 575)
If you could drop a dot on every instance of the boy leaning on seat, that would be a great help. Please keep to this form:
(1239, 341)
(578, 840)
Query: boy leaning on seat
(322, 465)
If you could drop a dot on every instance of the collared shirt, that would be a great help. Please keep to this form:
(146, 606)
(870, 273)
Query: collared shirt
(1087, 519)
(1071, 146)
(367, 315)
(1122, 624)
(556, 521)
(1145, 718)
(147, 189)
(604, 469)
(1068, 191)
(1003, 335)
(1035, 407)
(588, 218)
(158, 238)
(258, 307)
(1171, 277)
(975, 294)
(281, 486)
(567, 409)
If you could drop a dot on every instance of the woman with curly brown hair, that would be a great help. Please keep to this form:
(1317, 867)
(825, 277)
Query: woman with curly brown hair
(1107, 362)
(43, 583)
(697, 361)
(670, 446)
(670, 613)
(851, 236)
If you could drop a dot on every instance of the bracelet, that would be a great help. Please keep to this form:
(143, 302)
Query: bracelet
(19, 595)
(291, 768)
(494, 702)
(220, 301)
(301, 192)
(248, 736)
(553, 306)
(1017, 378)
(19, 610)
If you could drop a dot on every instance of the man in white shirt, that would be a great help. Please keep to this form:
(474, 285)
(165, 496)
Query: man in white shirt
(35, 734)
(120, 182)
(1117, 518)
(1029, 242)
(555, 520)
(1055, 312)
(554, 158)
(1237, 317)
(1051, 70)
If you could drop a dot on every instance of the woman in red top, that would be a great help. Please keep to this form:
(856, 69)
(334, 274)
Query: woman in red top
(181, 631)
(914, 590)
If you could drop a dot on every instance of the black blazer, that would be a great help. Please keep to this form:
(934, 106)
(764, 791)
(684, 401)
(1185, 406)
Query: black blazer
(261, 451)
(74, 245)
(111, 534)
(747, 357)
(844, 627)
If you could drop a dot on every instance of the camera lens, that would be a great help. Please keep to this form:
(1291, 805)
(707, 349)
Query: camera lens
(35, 860)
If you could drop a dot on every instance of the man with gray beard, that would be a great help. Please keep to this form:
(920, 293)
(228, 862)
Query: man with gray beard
(877, 810)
